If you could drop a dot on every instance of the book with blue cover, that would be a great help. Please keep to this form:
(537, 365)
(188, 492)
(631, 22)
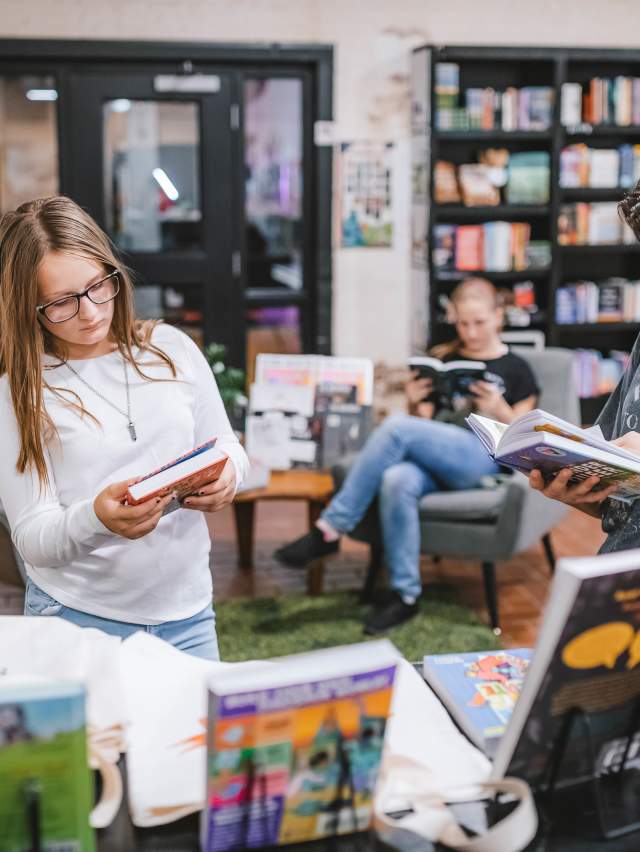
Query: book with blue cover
(479, 689)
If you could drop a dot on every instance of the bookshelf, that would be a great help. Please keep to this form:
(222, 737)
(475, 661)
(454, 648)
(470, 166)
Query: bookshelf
(501, 68)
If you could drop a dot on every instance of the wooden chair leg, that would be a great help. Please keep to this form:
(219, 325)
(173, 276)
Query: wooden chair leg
(373, 573)
(548, 552)
(491, 595)
(244, 517)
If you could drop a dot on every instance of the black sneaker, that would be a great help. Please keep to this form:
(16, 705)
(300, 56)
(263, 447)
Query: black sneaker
(306, 549)
(390, 614)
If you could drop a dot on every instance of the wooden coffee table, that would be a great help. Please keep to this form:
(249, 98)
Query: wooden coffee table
(315, 487)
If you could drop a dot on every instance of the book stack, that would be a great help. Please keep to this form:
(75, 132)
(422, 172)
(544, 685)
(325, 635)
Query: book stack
(599, 168)
(492, 246)
(528, 178)
(612, 300)
(526, 108)
(598, 374)
(596, 223)
(602, 100)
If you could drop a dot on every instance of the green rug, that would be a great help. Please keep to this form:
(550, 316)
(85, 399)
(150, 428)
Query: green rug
(259, 628)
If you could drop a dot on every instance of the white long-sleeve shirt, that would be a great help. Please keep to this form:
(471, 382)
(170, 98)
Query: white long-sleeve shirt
(69, 553)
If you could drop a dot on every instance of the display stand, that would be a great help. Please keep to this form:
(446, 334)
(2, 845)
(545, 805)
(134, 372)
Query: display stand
(32, 812)
(598, 781)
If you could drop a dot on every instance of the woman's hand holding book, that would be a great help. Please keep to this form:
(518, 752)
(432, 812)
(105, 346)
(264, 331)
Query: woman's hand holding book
(584, 495)
(128, 521)
(215, 495)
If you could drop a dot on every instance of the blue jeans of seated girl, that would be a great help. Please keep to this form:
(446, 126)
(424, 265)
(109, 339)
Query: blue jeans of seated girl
(195, 635)
(404, 459)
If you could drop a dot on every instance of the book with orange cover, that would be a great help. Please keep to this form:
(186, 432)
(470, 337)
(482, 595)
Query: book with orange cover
(183, 476)
(469, 247)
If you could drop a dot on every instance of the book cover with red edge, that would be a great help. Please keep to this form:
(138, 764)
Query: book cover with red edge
(201, 448)
(183, 485)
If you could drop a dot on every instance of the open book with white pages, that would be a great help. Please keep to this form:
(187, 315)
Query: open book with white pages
(539, 440)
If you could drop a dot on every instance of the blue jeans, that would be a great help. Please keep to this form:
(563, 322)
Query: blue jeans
(195, 635)
(404, 459)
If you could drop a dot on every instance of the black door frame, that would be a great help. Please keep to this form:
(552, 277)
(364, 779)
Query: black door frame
(63, 56)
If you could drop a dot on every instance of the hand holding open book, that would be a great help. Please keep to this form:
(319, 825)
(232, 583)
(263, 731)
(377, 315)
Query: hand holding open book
(540, 441)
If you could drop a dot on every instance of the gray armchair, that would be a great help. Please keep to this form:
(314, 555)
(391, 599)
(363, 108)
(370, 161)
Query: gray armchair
(488, 524)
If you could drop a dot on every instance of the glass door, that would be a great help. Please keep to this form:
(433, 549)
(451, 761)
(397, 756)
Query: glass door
(152, 161)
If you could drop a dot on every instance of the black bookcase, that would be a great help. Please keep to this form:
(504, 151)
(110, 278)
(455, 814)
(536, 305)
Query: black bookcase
(499, 67)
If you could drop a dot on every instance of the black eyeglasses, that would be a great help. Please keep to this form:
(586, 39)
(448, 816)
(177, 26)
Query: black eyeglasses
(61, 310)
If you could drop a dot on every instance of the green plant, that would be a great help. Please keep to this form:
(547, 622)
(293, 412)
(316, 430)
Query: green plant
(231, 380)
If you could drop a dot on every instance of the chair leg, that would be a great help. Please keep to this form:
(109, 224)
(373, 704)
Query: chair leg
(548, 552)
(490, 591)
(373, 572)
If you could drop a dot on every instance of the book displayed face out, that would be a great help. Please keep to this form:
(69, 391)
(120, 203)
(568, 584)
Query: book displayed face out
(586, 661)
(295, 747)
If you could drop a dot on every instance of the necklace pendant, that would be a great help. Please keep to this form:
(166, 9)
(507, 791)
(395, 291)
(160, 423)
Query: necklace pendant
(132, 431)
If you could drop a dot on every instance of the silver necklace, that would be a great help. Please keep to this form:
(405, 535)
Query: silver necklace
(127, 413)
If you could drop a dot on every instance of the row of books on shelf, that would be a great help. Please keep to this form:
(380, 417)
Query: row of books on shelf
(613, 300)
(498, 177)
(525, 108)
(592, 223)
(601, 100)
(495, 246)
(599, 168)
(599, 374)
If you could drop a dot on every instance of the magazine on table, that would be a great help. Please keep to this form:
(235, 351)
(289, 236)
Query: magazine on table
(539, 440)
(586, 661)
(479, 689)
(295, 747)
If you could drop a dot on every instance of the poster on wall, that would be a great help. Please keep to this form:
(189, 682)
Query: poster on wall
(365, 190)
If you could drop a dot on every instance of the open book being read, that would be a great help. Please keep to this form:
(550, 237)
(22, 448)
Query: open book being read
(538, 440)
(451, 377)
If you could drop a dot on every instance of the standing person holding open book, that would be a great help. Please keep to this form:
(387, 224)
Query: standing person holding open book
(91, 399)
(428, 450)
(620, 424)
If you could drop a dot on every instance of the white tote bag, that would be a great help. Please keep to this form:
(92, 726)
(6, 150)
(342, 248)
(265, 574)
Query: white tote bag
(428, 762)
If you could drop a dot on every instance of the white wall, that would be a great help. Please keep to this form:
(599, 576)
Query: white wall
(373, 40)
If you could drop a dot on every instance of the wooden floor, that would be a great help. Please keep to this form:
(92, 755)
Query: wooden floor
(523, 581)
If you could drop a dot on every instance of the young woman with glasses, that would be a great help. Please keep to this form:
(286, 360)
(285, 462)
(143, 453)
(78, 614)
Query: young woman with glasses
(91, 398)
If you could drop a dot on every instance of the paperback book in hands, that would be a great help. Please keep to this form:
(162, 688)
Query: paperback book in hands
(183, 476)
(538, 440)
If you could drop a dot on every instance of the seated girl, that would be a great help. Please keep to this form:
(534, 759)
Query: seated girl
(429, 449)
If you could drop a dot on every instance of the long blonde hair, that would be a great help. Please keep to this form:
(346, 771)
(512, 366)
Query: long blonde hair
(471, 289)
(26, 236)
